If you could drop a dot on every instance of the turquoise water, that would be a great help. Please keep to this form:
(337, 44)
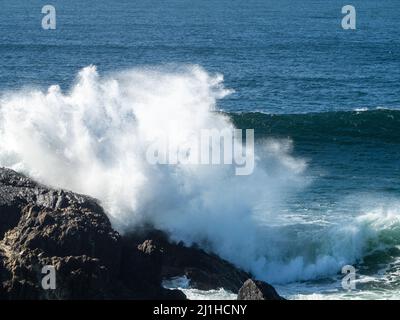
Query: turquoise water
(296, 74)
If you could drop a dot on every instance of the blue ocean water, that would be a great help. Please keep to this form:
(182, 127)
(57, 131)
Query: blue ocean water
(285, 57)
(295, 72)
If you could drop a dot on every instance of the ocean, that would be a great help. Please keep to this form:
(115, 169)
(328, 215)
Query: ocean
(79, 104)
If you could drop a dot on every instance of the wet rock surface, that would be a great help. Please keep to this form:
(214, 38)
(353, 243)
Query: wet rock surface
(40, 226)
(206, 271)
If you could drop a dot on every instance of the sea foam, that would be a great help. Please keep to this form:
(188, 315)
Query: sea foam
(93, 140)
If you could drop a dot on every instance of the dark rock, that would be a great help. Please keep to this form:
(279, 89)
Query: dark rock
(141, 268)
(173, 295)
(206, 271)
(66, 232)
(53, 227)
(40, 226)
(71, 232)
(257, 290)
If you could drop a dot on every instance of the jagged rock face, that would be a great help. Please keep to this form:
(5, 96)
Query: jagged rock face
(11, 201)
(41, 227)
(206, 271)
(66, 232)
(79, 244)
(71, 232)
(17, 191)
(257, 290)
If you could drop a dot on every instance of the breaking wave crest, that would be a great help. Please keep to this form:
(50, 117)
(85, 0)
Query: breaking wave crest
(93, 140)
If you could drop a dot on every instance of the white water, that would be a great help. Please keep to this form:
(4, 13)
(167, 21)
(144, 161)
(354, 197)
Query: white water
(182, 283)
(93, 140)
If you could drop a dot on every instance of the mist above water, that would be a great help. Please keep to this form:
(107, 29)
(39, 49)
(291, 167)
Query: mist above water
(94, 138)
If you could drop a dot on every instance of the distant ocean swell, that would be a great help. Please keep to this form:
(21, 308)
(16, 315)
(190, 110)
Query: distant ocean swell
(348, 126)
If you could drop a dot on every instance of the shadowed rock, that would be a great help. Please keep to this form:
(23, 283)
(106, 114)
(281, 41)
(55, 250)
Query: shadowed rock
(206, 271)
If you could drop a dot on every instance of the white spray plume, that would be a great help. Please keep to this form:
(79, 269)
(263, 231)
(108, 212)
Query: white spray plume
(93, 140)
